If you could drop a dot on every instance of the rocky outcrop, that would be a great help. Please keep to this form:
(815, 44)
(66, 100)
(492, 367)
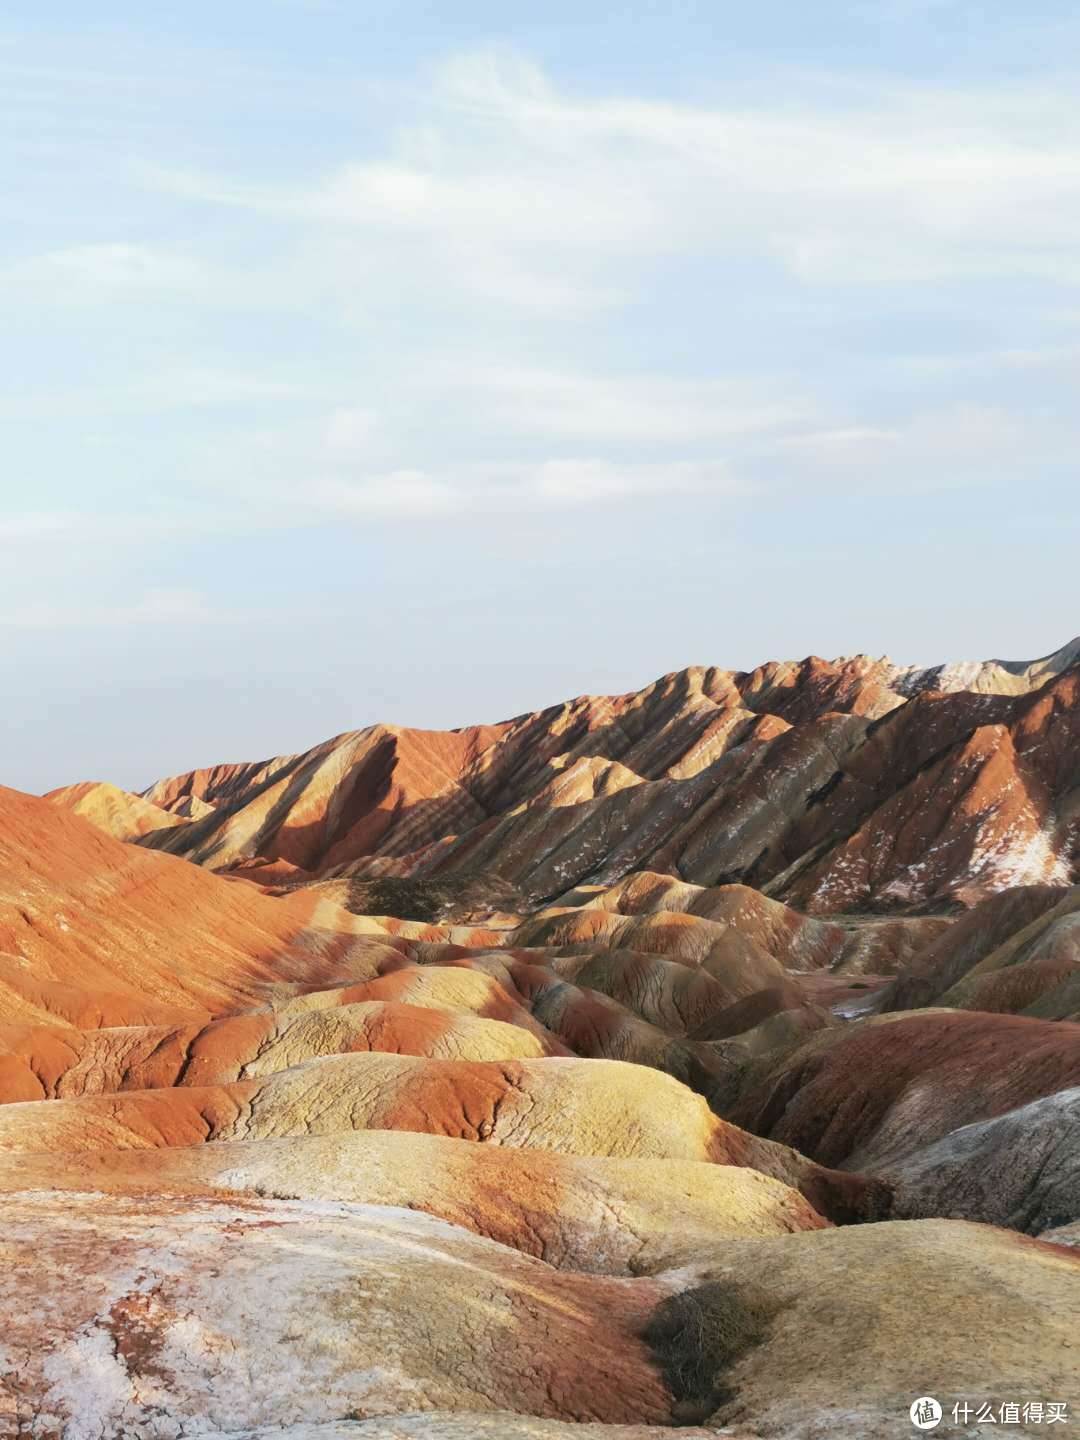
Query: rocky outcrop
(1020, 1169)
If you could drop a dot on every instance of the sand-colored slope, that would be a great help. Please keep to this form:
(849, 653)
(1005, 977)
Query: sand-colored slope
(571, 1106)
(451, 989)
(834, 1333)
(119, 813)
(595, 1214)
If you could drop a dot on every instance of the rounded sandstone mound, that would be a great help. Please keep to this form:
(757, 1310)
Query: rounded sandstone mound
(592, 1214)
(224, 1315)
(119, 813)
(834, 1333)
(41, 1062)
(572, 1106)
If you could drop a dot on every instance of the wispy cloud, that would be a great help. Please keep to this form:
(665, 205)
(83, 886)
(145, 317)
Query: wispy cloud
(41, 524)
(597, 481)
(349, 430)
(187, 389)
(508, 193)
(937, 449)
(155, 607)
(639, 409)
(520, 190)
(516, 488)
(395, 495)
(87, 276)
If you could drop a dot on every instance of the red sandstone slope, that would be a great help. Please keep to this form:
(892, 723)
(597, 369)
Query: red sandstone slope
(96, 932)
(872, 1093)
(821, 782)
(998, 807)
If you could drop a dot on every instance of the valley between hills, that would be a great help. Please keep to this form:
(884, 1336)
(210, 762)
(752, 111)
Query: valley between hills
(700, 1060)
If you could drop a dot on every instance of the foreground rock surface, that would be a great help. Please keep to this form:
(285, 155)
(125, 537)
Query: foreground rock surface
(227, 1315)
(446, 1426)
(223, 1316)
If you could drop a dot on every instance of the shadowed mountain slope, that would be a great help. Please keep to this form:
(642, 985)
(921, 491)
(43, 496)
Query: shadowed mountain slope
(835, 785)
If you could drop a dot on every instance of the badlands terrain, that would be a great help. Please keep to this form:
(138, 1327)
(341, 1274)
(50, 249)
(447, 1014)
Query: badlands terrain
(705, 1057)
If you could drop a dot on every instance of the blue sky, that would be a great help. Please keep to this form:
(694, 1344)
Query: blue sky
(429, 363)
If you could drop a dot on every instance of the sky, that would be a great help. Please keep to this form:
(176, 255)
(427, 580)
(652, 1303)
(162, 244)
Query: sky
(430, 363)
